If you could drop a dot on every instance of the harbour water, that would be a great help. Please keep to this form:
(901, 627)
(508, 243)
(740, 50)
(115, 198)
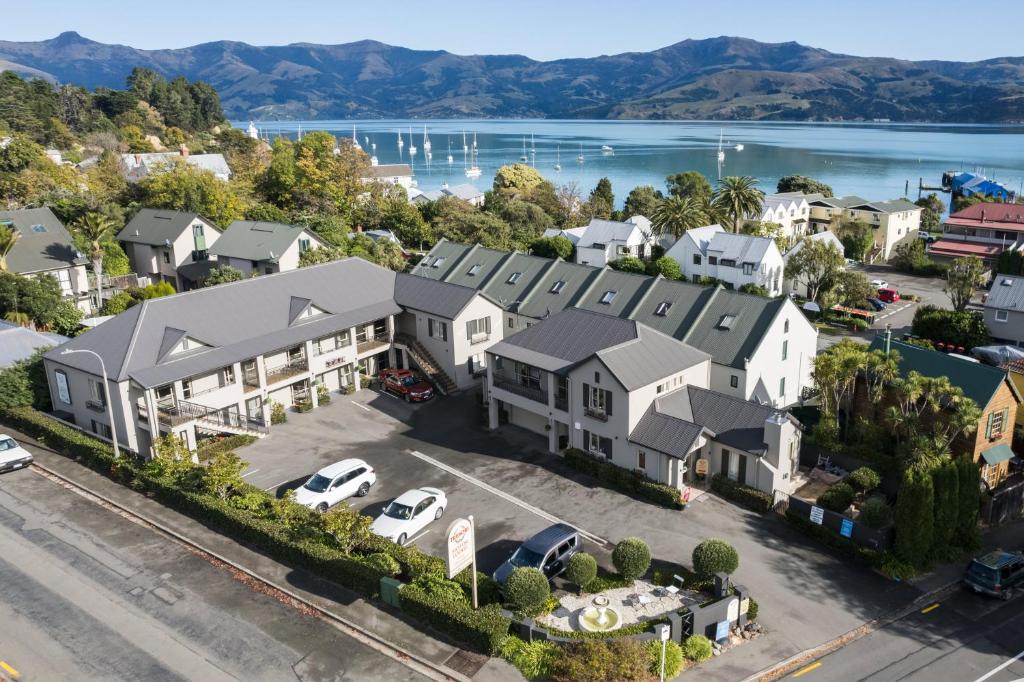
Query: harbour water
(876, 161)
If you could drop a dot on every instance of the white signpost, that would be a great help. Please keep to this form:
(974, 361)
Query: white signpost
(817, 515)
(462, 549)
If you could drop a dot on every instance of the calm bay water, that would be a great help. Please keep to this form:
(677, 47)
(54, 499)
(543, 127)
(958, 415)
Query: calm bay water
(875, 161)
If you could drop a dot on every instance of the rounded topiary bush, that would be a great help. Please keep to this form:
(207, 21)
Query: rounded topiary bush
(581, 569)
(527, 590)
(875, 512)
(838, 498)
(385, 563)
(714, 556)
(864, 479)
(697, 648)
(632, 558)
(673, 658)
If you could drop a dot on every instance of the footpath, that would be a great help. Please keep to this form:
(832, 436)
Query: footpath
(357, 617)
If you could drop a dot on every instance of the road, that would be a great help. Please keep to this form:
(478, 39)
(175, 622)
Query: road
(86, 594)
(961, 637)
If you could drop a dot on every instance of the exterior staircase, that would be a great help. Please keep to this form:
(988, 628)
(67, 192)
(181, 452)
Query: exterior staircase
(422, 359)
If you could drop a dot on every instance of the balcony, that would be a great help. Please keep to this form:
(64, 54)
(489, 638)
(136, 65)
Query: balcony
(512, 385)
(317, 352)
(289, 369)
(96, 405)
(599, 415)
(250, 380)
(366, 343)
(173, 414)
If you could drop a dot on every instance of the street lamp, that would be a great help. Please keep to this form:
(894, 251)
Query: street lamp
(106, 393)
(663, 633)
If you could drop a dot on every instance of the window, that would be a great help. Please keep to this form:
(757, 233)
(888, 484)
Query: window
(608, 297)
(229, 375)
(97, 394)
(662, 309)
(785, 349)
(438, 262)
(437, 329)
(597, 402)
(641, 460)
(186, 388)
(64, 280)
(513, 278)
(748, 268)
(197, 231)
(39, 229)
(478, 330)
(1002, 315)
(473, 269)
(597, 377)
(62, 386)
(734, 381)
(562, 393)
(727, 262)
(304, 245)
(477, 363)
(167, 256)
(528, 376)
(782, 387)
(785, 327)
(510, 323)
(102, 429)
(996, 424)
(726, 322)
(269, 270)
(557, 287)
(990, 474)
(598, 445)
(662, 388)
(696, 259)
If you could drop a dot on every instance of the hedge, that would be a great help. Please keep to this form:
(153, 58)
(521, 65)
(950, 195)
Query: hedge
(214, 446)
(844, 546)
(624, 480)
(481, 629)
(745, 496)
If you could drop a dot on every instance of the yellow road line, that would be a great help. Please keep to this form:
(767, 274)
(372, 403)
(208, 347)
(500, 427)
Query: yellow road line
(10, 671)
(812, 666)
(929, 609)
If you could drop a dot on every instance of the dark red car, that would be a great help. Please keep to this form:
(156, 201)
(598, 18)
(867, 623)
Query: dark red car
(406, 384)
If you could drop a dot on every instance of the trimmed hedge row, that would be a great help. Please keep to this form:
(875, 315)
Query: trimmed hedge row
(624, 480)
(745, 496)
(844, 546)
(481, 628)
(215, 446)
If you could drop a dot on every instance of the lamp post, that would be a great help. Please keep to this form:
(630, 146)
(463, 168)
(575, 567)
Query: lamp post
(664, 633)
(106, 393)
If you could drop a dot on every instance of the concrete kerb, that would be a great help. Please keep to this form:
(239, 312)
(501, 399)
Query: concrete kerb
(793, 662)
(420, 665)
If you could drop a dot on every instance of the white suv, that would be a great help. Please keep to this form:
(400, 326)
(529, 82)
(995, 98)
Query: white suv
(335, 483)
(12, 455)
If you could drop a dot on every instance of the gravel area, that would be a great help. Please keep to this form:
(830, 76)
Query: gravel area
(625, 600)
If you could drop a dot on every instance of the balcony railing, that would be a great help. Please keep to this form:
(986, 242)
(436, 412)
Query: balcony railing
(174, 414)
(593, 413)
(510, 384)
(479, 338)
(287, 370)
(318, 352)
(250, 380)
(96, 405)
(371, 342)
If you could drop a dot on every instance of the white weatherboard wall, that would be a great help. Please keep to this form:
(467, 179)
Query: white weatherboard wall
(766, 368)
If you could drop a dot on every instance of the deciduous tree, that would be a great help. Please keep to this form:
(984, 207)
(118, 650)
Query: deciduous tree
(815, 265)
(963, 278)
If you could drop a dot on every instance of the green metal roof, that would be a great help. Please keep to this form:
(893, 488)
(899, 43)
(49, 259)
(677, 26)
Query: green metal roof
(997, 454)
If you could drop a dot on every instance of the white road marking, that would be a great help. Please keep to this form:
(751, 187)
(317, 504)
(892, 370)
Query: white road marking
(409, 542)
(361, 406)
(277, 485)
(893, 312)
(505, 496)
(1000, 668)
(249, 473)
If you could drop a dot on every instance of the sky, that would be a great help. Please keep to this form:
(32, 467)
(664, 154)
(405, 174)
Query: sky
(545, 30)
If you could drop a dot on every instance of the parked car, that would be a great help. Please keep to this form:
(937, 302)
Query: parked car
(12, 455)
(996, 573)
(888, 294)
(879, 283)
(548, 550)
(927, 237)
(334, 483)
(409, 513)
(877, 304)
(406, 384)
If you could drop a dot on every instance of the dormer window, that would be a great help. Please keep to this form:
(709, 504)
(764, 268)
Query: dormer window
(662, 309)
(475, 268)
(557, 287)
(513, 278)
(608, 297)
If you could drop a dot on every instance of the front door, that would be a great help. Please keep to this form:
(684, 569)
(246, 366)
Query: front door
(742, 477)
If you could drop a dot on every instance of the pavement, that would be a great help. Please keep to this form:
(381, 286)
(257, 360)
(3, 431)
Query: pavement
(87, 594)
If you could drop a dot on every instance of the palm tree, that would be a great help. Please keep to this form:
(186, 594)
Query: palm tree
(8, 238)
(737, 197)
(97, 229)
(675, 215)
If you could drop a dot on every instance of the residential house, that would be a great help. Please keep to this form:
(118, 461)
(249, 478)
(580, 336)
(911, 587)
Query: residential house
(258, 248)
(982, 230)
(465, 192)
(214, 360)
(826, 237)
(891, 221)
(1015, 370)
(789, 210)
(169, 246)
(603, 241)
(19, 343)
(135, 167)
(761, 349)
(990, 387)
(1004, 310)
(627, 393)
(735, 260)
(974, 184)
(392, 174)
(45, 247)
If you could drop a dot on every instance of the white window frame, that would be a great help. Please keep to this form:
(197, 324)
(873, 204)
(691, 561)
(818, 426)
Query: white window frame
(1002, 315)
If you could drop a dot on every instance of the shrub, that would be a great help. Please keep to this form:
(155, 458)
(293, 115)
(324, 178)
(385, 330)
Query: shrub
(323, 396)
(858, 325)
(527, 589)
(875, 512)
(896, 569)
(211, 446)
(714, 556)
(697, 648)
(277, 413)
(533, 660)
(673, 658)
(365, 381)
(624, 480)
(605, 581)
(482, 629)
(752, 609)
(844, 546)
(864, 479)
(745, 496)
(632, 558)
(304, 406)
(581, 570)
(837, 498)
(620, 660)
(961, 328)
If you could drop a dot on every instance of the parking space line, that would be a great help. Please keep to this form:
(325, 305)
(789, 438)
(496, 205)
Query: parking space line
(505, 496)
(249, 473)
(409, 542)
(929, 609)
(9, 670)
(1000, 668)
(807, 669)
(276, 485)
(361, 406)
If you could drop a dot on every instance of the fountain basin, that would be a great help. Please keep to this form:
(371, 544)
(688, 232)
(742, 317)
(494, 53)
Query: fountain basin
(599, 618)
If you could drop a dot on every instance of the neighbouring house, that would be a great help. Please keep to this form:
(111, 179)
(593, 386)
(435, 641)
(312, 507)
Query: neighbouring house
(391, 173)
(637, 397)
(377, 235)
(973, 184)
(794, 285)
(790, 210)
(734, 260)
(213, 361)
(1004, 309)
(465, 192)
(990, 446)
(761, 348)
(45, 247)
(982, 230)
(20, 343)
(137, 167)
(891, 221)
(603, 241)
(258, 248)
(169, 246)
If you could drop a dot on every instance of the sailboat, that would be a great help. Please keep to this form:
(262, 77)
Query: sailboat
(366, 139)
(579, 159)
(400, 142)
(524, 158)
(558, 158)
(451, 159)
(605, 149)
(474, 170)
(355, 140)
(721, 152)
(465, 147)
(426, 140)
(533, 150)
(412, 144)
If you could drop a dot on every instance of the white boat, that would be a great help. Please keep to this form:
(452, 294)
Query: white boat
(474, 170)
(558, 158)
(451, 159)
(465, 147)
(426, 140)
(355, 140)
(739, 147)
(366, 139)
(605, 149)
(721, 152)
(580, 159)
(401, 143)
(524, 158)
(412, 145)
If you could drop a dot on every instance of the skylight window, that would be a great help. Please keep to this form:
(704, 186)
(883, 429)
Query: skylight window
(557, 287)
(438, 262)
(513, 278)
(1007, 282)
(662, 309)
(608, 297)
(39, 229)
(726, 322)
(475, 268)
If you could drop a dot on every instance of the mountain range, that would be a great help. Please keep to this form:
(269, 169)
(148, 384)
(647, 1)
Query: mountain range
(717, 78)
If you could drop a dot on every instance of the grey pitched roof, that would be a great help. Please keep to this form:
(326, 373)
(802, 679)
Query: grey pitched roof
(388, 170)
(442, 259)
(476, 267)
(251, 240)
(157, 226)
(732, 325)
(651, 357)
(661, 432)
(45, 244)
(500, 286)
(732, 421)
(465, 191)
(628, 287)
(742, 248)
(542, 301)
(1007, 293)
(19, 343)
(237, 320)
(430, 296)
(603, 231)
(685, 303)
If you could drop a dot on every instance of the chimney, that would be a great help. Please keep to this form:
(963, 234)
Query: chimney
(983, 215)
(888, 338)
(183, 150)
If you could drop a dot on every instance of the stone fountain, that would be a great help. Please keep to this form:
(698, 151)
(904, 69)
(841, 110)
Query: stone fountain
(601, 617)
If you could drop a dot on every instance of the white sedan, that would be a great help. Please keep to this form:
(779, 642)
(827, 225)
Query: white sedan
(409, 513)
(879, 283)
(12, 455)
